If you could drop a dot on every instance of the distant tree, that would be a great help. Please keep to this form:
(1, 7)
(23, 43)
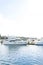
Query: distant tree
(0, 36)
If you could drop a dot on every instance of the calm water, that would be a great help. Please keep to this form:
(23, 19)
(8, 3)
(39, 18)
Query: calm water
(21, 55)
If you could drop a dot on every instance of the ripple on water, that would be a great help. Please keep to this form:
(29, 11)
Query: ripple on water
(21, 55)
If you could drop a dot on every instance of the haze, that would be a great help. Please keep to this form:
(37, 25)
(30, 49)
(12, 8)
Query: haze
(21, 18)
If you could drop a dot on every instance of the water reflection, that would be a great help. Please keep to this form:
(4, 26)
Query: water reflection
(25, 55)
(4, 50)
(4, 54)
(21, 55)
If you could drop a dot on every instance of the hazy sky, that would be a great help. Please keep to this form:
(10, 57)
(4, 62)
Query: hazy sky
(21, 17)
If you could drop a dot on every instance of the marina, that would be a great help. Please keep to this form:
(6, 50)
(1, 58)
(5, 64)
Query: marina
(17, 51)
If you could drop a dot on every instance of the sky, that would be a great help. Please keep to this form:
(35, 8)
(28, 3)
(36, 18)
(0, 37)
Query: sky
(21, 18)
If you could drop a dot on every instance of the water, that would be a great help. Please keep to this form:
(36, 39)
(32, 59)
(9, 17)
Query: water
(21, 55)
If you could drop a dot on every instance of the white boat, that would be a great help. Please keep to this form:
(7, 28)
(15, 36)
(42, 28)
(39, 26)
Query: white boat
(15, 42)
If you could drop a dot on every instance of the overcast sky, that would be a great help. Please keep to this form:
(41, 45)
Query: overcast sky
(21, 18)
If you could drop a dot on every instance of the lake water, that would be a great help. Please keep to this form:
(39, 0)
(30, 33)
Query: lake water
(21, 54)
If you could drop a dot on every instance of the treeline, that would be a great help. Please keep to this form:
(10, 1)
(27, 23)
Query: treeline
(3, 37)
